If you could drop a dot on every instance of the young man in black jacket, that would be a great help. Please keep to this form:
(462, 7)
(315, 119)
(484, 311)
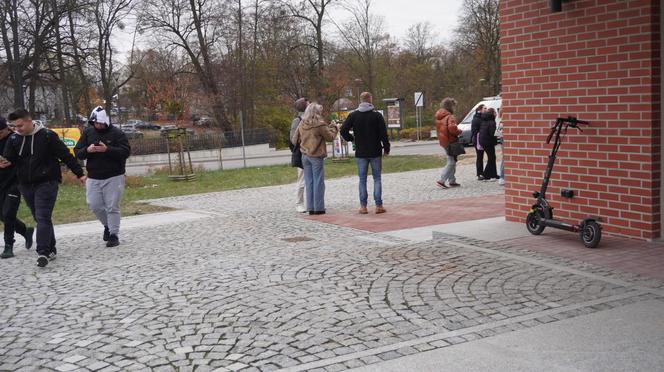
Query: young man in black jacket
(10, 199)
(36, 153)
(105, 149)
(371, 143)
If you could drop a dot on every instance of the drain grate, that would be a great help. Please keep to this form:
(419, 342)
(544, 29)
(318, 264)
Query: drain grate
(297, 239)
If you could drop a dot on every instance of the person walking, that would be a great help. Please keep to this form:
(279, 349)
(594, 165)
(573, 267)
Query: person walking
(487, 139)
(105, 149)
(10, 199)
(448, 134)
(371, 143)
(296, 154)
(474, 133)
(36, 153)
(313, 134)
(501, 140)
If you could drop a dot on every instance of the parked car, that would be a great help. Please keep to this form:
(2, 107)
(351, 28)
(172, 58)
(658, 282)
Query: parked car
(464, 125)
(168, 127)
(140, 124)
(132, 133)
(204, 121)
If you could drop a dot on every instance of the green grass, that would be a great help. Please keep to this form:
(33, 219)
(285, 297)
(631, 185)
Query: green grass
(71, 206)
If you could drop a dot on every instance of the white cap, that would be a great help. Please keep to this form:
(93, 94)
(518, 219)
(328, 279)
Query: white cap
(99, 115)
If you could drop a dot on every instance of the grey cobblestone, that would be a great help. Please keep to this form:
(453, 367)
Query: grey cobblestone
(227, 292)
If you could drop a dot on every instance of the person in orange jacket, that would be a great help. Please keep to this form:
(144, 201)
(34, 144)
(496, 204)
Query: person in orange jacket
(448, 133)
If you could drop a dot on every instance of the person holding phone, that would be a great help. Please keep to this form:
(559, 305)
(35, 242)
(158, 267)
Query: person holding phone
(105, 149)
(36, 153)
(10, 199)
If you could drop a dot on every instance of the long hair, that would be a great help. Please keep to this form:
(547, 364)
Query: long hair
(313, 113)
(449, 104)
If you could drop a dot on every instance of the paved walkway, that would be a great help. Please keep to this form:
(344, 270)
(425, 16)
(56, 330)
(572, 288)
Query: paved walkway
(239, 281)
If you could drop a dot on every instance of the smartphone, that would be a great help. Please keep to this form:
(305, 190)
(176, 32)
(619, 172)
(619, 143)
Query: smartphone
(2, 158)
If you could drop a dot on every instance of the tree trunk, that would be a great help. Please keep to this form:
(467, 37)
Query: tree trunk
(61, 67)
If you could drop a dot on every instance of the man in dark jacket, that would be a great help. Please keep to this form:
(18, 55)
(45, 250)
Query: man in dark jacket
(36, 153)
(10, 198)
(106, 149)
(371, 143)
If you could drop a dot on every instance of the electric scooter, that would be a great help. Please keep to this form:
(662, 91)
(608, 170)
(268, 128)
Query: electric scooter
(541, 213)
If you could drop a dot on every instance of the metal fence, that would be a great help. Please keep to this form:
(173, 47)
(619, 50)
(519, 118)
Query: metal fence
(207, 141)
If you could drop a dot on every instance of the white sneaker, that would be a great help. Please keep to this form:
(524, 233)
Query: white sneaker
(301, 208)
(501, 182)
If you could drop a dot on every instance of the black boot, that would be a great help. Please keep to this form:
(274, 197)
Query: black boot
(8, 252)
(113, 241)
(29, 232)
(107, 234)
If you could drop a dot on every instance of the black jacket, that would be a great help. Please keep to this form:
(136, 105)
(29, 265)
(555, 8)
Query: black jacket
(488, 130)
(7, 175)
(104, 165)
(37, 157)
(369, 133)
(475, 127)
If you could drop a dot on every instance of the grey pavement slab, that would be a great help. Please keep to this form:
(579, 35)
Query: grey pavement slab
(490, 229)
(627, 338)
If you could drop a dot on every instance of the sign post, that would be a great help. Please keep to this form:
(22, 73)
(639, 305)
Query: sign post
(419, 103)
(394, 109)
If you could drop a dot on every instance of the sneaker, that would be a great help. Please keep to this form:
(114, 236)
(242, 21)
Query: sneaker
(107, 234)
(380, 209)
(441, 184)
(29, 232)
(480, 178)
(42, 261)
(363, 210)
(301, 209)
(501, 182)
(319, 212)
(8, 252)
(52, 256)
(454, 184)
(113, 241)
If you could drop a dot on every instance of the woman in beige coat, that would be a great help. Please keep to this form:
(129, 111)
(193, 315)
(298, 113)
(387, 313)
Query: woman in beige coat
(312, 135)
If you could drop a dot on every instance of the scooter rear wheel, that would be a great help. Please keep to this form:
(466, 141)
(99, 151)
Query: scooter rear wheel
(591, 234)
(532, 222)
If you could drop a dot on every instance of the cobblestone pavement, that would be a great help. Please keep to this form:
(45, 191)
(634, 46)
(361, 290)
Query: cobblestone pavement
(256, 287)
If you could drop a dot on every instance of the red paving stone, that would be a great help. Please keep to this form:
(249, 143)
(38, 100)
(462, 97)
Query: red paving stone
(408, 216)
(628, 255)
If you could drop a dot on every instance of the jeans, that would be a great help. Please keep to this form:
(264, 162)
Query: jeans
(10, 199)
(501, 173)
(490, 169)
(41, 198)
(103, 197)
(314, 181)
(363, 170)
(449, 170)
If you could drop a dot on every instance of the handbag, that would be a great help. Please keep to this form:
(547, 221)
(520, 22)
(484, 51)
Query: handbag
(455, 149)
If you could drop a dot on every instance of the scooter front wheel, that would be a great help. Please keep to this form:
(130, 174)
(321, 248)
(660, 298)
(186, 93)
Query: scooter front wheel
(533, 222)
(591, 234)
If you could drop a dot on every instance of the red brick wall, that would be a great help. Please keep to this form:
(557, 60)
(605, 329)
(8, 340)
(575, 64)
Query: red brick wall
(597, 60)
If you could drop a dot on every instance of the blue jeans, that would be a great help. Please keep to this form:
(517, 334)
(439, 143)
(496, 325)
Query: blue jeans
(502, 164)
(314, 181)
(363, 170)
(449, 171)
(41, 198)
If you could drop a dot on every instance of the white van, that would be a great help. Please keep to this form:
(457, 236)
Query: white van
(495, 102)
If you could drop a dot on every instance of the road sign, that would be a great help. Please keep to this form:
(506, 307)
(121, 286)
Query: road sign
(419, 99)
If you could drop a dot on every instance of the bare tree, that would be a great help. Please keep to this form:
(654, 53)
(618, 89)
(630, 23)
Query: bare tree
(479, 35)
(364, 35)
(312, 13)
(420, 40)
(109, 17)
(194, 26)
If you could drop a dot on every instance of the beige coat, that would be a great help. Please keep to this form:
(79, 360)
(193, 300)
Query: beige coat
(313, 136)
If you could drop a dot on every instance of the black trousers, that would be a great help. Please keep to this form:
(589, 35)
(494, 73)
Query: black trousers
(10, 199)
(490, 170)
(479, 163)
(41, 198)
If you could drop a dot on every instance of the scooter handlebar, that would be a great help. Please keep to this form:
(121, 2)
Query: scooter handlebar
(572, 121)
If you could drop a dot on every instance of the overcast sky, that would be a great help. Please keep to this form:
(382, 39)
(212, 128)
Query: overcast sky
(398, 15)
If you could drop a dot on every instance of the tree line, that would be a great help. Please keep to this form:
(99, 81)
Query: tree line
(220, 58)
